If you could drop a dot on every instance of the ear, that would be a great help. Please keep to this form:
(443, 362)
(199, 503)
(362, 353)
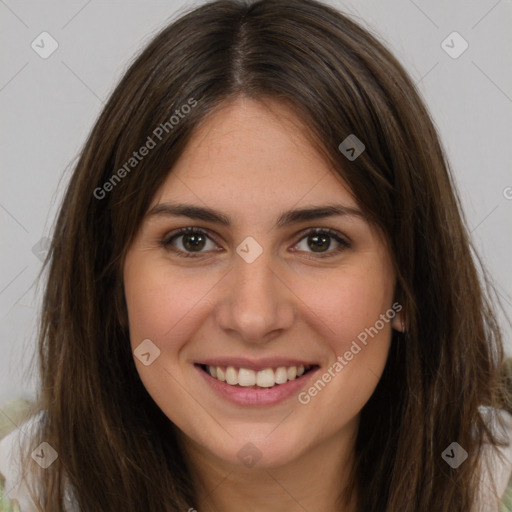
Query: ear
(399, 322)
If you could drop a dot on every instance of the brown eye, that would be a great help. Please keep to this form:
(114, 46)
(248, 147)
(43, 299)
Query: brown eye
(189, 242)
(193, 241)
(320, 241)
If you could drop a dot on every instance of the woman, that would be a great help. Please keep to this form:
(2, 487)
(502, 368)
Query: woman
(260, 287)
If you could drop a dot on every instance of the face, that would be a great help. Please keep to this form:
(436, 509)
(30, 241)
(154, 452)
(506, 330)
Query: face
(268, 320)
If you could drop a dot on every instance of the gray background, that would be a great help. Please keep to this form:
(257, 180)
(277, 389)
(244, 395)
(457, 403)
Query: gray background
(49, 105)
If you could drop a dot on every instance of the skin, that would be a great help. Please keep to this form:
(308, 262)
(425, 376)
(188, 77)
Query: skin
(252, 162)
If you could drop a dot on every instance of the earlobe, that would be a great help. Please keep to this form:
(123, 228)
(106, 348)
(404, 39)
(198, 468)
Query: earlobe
(399, 322)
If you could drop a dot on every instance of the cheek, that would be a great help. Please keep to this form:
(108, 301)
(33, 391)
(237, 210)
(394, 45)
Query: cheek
(347, 312)
(156, 300)
(352, 301)
(161, 303)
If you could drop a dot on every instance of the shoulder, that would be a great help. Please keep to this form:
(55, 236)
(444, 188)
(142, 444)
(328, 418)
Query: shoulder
(497, 462)
(14, 491)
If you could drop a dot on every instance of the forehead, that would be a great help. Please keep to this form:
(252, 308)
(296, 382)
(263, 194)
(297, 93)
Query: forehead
(253, 154)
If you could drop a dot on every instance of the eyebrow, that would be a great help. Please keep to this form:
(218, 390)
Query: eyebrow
(286, 218)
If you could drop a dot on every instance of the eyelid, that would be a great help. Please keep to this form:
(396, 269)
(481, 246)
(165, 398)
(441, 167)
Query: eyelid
(342, 239)
(333, 232)
(166, 241)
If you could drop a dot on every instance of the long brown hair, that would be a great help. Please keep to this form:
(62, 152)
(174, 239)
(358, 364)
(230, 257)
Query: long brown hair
(117, 450)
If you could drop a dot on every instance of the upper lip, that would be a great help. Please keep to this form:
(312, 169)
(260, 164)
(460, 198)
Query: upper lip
(253, 364)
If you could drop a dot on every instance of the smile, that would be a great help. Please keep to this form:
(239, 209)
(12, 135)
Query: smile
(251, 383)
(247, 378)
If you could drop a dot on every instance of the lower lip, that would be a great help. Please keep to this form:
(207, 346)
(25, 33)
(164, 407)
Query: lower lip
(252, 396)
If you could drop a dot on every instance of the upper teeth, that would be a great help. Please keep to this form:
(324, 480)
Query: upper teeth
(263, 378)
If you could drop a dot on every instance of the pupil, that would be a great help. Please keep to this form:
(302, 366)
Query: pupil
(320, 242)
(193, 241)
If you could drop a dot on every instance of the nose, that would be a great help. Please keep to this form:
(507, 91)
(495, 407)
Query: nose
(256, 304)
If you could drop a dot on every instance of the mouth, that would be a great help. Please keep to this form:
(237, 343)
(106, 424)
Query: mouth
(265, 378)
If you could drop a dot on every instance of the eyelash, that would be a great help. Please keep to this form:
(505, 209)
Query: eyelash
(166, 242)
